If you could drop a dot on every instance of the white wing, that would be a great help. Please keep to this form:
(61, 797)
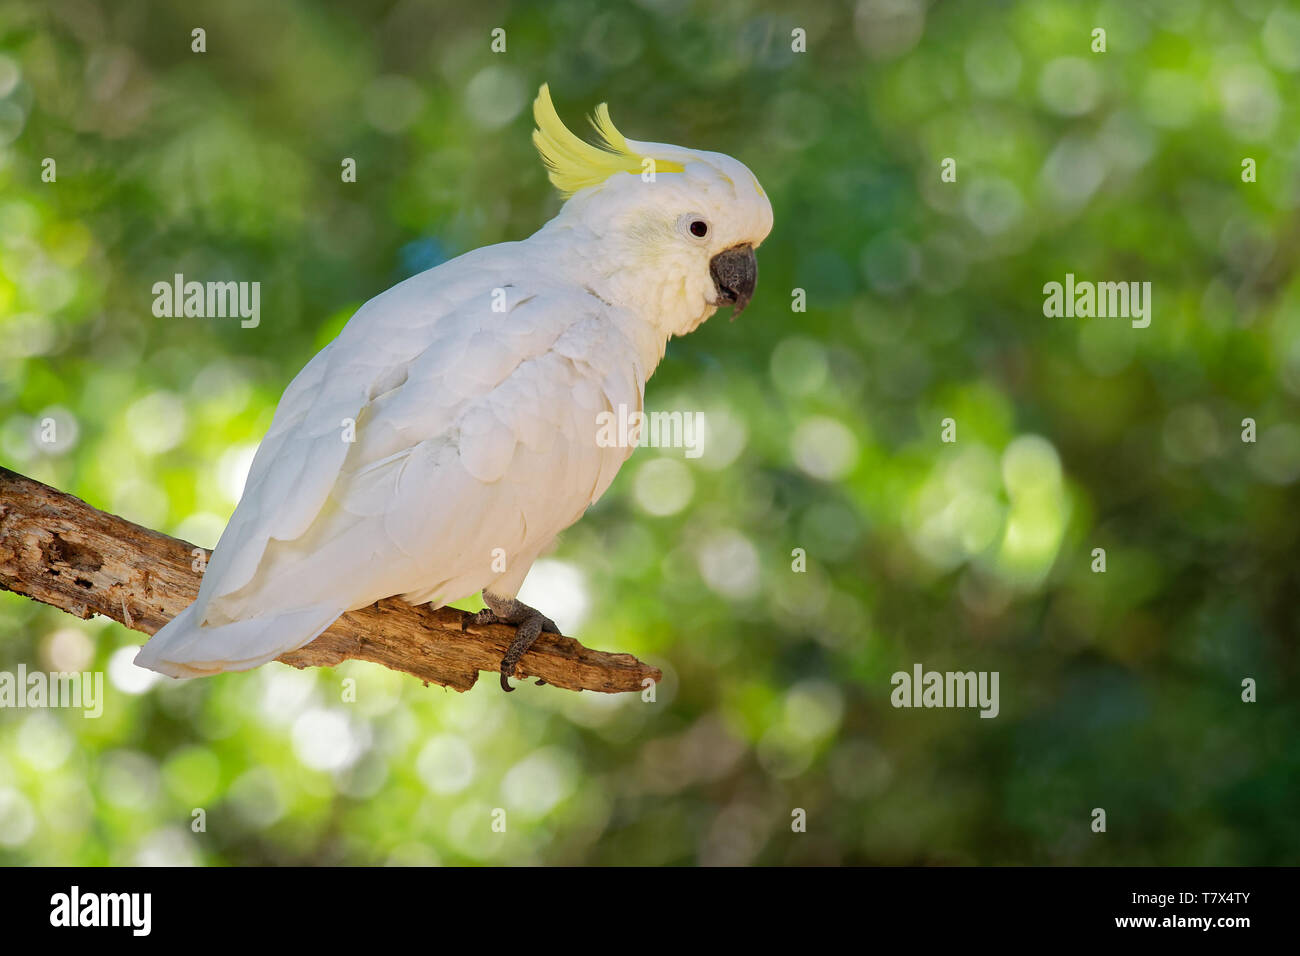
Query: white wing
(475, 431)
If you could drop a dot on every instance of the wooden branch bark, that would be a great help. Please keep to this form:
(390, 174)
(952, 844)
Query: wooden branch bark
(57, 549)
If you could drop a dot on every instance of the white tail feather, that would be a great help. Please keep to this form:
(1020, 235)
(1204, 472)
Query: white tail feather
(183, 648)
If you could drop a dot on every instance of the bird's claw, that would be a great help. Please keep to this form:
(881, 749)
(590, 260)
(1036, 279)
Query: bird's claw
(529, 622)
(478, 619)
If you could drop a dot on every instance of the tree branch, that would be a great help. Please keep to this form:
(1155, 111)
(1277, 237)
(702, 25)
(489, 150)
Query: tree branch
(57, 549)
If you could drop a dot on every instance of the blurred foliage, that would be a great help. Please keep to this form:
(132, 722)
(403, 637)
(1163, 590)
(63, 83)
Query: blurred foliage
(1118, 690)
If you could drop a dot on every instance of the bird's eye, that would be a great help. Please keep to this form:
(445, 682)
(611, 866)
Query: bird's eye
(692, 225)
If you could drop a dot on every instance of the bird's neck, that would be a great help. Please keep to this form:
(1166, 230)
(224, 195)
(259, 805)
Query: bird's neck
(651, 299)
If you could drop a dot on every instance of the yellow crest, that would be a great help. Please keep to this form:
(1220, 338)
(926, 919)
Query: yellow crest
(574, 164)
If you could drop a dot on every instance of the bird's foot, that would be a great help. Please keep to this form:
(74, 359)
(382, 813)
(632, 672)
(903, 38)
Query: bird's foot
(485, 616)
(529, 622)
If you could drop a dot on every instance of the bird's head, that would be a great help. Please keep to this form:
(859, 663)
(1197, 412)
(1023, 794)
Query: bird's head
(671, 231)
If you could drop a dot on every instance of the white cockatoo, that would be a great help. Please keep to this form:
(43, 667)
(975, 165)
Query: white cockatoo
(451, 430)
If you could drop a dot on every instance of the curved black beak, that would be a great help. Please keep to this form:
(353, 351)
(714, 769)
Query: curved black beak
(735, 273)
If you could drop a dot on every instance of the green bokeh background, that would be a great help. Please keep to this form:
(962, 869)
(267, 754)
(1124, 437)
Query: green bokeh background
(1119, 690)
